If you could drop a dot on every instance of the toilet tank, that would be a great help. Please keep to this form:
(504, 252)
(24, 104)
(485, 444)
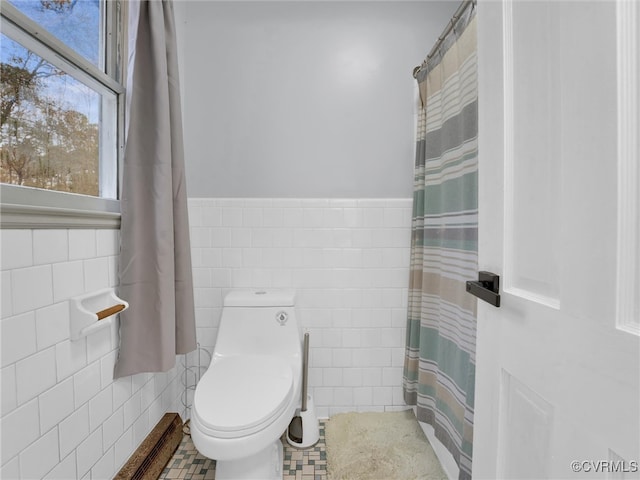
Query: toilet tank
(259, 322)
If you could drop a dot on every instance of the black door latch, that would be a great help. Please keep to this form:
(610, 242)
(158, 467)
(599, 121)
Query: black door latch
(487, 288)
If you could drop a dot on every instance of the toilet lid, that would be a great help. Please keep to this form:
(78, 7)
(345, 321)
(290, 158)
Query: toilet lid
(240, 393)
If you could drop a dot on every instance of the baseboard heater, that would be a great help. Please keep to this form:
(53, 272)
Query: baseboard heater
(148, 461)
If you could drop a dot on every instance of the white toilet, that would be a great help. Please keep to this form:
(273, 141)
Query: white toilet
(249, 394)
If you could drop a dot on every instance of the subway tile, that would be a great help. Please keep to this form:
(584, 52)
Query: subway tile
(252, 217)
(342, 357)
(56, 404)
(314, 202)
(147, 394)
(372, 218)
(320, 357)
(100, 408)
(50, 246)
(392, 376)
(35, 374)
(205, 316)
(285, 203)
(352, 377)
(114, 271)
(232, 257)
(123, 448)
(272, 257)
(292, 217)
(18, 337)
(397, 395)
(107, 242)
(220, 237)
(6, 301)
(281, 278)
(353, 217)
(68, 280)
(210, 257)
(232, 217)
(52, 325)
(9, 399)
(341, 238)
(121, 391)
(240, 237)
(73, 430)
(273, 217)
(132, 409)
(201, 277)
(283, 237)
(323, 396)
(395, 217)
(107, 363)
(363, 396)
(89, 452)
(112, 428)
(211, 216)
(382, 395)
(82, 244)
(332, 377)
(200, 237)
(397, 356)
(86, 383)
(399, 202)
(370, 337)
(31, 288)
(141, 427)
(70, 357)
(371, 376)
(251, 257)
(40, 457)
(316, 377)
(351, 337)
(261, 237)
(104, 468)
(206, 336)
(205, 297)
(16, 249)
(96, 274)
(343, 396)
(11, 469)
(19, 429)
(99, 343)
(65, 470)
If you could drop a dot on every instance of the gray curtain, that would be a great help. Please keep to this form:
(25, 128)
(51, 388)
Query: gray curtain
(155, 256)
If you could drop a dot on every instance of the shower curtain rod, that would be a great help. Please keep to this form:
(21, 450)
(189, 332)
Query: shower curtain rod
(456, 16)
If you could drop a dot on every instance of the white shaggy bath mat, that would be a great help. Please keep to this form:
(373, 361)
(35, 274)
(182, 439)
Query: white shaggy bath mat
(379, 446)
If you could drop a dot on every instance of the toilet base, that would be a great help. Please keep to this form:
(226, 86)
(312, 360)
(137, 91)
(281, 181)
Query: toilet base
(265, 465)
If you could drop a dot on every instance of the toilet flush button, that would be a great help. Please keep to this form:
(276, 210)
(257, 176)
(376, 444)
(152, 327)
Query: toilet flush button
(282, 317)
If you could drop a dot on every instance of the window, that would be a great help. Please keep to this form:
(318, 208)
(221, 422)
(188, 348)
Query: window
(61, 124)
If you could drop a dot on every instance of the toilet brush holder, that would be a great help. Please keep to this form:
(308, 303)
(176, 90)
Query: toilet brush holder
(307, 432)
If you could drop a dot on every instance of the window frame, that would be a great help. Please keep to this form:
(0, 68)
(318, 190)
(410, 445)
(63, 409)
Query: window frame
(28, 207)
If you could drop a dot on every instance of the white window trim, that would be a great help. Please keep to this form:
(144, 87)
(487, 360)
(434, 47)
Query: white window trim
(26, 207)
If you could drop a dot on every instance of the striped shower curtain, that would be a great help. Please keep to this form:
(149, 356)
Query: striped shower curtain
(439, 367)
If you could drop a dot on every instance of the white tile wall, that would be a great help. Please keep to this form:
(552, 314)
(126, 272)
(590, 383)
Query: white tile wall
(348, 259)
(63, 415)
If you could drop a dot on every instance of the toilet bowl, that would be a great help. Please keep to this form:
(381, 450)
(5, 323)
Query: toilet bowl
(251, 389)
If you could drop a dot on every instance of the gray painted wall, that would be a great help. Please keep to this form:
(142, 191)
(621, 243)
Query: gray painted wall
(303, 99)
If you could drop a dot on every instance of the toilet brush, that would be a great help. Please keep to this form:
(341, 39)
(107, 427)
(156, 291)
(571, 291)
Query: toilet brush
(303, 431)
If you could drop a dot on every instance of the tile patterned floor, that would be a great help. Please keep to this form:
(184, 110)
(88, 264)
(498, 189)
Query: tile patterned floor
(188, 464)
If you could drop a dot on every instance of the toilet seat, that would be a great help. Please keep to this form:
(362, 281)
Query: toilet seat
(239, 395)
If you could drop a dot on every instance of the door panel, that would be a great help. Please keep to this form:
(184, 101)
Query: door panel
(556, 380)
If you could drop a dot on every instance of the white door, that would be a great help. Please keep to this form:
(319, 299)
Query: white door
(557, 377)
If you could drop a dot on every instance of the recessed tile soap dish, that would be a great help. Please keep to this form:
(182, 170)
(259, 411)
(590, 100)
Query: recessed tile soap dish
(93, 311)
